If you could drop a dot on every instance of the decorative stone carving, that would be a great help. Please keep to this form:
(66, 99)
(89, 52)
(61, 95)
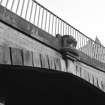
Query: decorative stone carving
(69, 41)
(68, 49)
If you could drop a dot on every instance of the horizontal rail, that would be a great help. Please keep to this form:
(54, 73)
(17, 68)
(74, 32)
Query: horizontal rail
(43, 18)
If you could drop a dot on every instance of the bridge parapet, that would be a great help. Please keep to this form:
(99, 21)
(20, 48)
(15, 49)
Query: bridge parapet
(23, 51)
(36, 14)
(24, 44)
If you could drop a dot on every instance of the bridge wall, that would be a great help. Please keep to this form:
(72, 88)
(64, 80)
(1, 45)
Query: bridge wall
(39, 50)
(28, 52)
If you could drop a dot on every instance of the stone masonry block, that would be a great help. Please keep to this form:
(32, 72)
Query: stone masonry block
(57, 64)
(17, 56)
(44, 61)
(85, 75)
(36, 59)
(5, 55)
(51, 62)
(27, 56)
(63, 66)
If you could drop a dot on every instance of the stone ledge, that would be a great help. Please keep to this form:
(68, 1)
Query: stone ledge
(28, 29)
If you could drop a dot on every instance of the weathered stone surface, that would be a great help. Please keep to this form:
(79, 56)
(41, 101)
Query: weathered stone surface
(91, 75)
(16, 56)
(91, 78)
(78, 71)
(57, 63)
(95, 81)
(27, 56)
(36, 59)
(86, 75)
(103, 85)
(99, 83)
(51, 63)
(5, 55)
(44, 61)
(63, 65)
(69, 41)
(71, 67)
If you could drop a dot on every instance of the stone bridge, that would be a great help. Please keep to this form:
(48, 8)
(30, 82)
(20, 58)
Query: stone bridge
(32, 61)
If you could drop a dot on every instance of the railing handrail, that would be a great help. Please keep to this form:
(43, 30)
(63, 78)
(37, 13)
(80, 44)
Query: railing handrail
(65, 22)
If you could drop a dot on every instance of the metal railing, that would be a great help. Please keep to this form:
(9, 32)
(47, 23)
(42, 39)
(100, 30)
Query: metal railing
(41, 17)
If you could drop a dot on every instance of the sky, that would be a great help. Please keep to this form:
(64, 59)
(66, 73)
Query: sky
(88, 16)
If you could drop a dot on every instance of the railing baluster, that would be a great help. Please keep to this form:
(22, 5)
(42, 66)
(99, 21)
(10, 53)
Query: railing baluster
(77, 40)
(58, 26)
(68, 30)
(55, 25)
(7, 3)
(42, 18)
(27, 9)
(35, 14)
(38, 16)
(52, 24)
(12, 5)
(74, 33)
(22, 8)
(49, 23)
(80, 41)
(17, 6)
(31, 11)
(63, 29)
(46, 20)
